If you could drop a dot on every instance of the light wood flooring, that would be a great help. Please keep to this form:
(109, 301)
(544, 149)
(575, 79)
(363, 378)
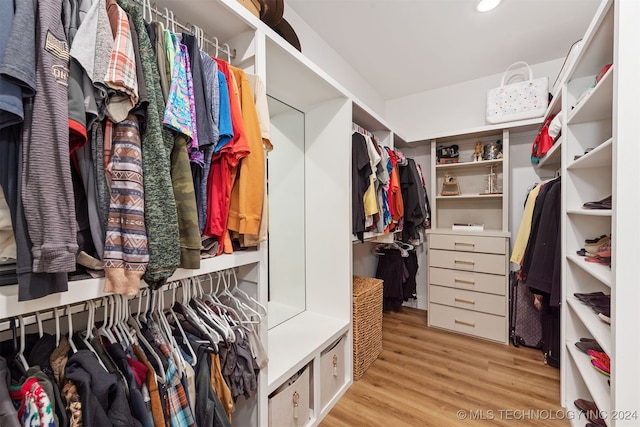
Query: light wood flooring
(425, 376)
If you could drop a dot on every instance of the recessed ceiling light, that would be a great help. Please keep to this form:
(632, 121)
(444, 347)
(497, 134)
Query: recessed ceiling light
(487, 5)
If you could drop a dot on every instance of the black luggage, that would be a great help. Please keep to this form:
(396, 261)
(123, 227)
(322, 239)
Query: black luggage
(525, 319)
(550, 334)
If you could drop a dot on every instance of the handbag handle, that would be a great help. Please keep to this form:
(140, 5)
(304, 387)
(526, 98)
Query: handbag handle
(511, 66)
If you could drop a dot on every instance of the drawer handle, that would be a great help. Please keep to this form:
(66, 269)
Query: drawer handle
(335, 365)
(462, 322)
(296, 398)
(462, 261)
(468, 301)
(465, 243)
(470, 282)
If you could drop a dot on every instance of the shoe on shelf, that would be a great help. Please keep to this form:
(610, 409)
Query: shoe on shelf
(596, 240)
(590, 410)
(604, 318)
(602, 366)
(585, 346)
(599, 204)
(600, 244)
(599, 260)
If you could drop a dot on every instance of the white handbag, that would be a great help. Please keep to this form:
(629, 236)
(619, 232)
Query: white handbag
(526, 99)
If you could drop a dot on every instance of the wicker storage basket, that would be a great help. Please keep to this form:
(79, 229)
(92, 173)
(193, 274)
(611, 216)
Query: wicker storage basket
(367, 323)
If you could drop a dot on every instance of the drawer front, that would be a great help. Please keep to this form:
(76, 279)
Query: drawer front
(477, 301)
(468, 322)
(481, 282)
(290, 406)
(468, 261)
(468, 243)
(332, 368)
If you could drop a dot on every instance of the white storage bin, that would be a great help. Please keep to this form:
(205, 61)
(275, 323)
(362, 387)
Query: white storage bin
(289, 404)
(332, 368)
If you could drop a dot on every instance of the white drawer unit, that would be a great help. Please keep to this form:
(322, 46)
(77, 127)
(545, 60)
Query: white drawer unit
(468, 284)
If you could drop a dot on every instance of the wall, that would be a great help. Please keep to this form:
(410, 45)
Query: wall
(451, 109)
(318, 51)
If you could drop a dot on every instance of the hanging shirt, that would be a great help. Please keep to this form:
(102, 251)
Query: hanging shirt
(121, 73)
(35, 407)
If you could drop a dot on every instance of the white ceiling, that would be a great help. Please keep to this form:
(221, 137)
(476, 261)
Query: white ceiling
(402, 47)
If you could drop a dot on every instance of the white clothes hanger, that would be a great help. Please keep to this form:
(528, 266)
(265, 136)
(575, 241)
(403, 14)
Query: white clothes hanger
(226, 46)
(39, 321)
(20, 356)
(217, 319)
(56, 317)
(70, 331)
(135, 323)
(248, 300)
(179, 326)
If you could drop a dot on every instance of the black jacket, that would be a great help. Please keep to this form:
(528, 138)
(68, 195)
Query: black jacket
(104, 403)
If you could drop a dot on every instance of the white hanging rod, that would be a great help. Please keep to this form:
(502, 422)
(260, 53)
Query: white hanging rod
(220, 49)
(357, 128)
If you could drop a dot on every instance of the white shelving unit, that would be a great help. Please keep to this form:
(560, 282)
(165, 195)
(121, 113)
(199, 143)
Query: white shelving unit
(328, 108)
(600, 158)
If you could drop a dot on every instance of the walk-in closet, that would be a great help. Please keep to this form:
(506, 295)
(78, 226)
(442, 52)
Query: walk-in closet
(275, 213)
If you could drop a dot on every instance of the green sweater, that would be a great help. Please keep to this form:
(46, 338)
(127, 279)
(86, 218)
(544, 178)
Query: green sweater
(161, 218)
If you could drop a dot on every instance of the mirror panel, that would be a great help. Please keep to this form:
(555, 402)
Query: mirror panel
(285, 186)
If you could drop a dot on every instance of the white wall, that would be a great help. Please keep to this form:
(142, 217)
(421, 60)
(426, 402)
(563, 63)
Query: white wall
(319, 52)
(451, 109)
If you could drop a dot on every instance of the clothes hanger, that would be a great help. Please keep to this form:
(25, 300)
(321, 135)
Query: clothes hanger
(88, 336)
(218, 322)
(70, 330)
(39, 321)
(249, 299)
(134, 321)
(226, 46)
(226, 313)
(104, 328)
(226, 294)
(186, 341)
(146, 7)
(121, 318)
(20, 356)
(190, 315)
(56, 317)
(235, 291)
(168, 335)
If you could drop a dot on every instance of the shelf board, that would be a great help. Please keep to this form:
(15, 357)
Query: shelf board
(293, 343)
(87, 289)
(601, 272)
(464, 165)
(480, 132)
(598, 105)
(470, 196)
(599, 330)
(553, 156)
(598, 157)
(589, 212)
(596, 382)
(374, 236)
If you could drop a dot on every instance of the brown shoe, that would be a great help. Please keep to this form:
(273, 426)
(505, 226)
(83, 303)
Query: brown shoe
(591, 411)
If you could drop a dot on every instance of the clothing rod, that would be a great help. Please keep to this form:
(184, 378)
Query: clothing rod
(357, 128)
(223, 49)
(29, 317)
